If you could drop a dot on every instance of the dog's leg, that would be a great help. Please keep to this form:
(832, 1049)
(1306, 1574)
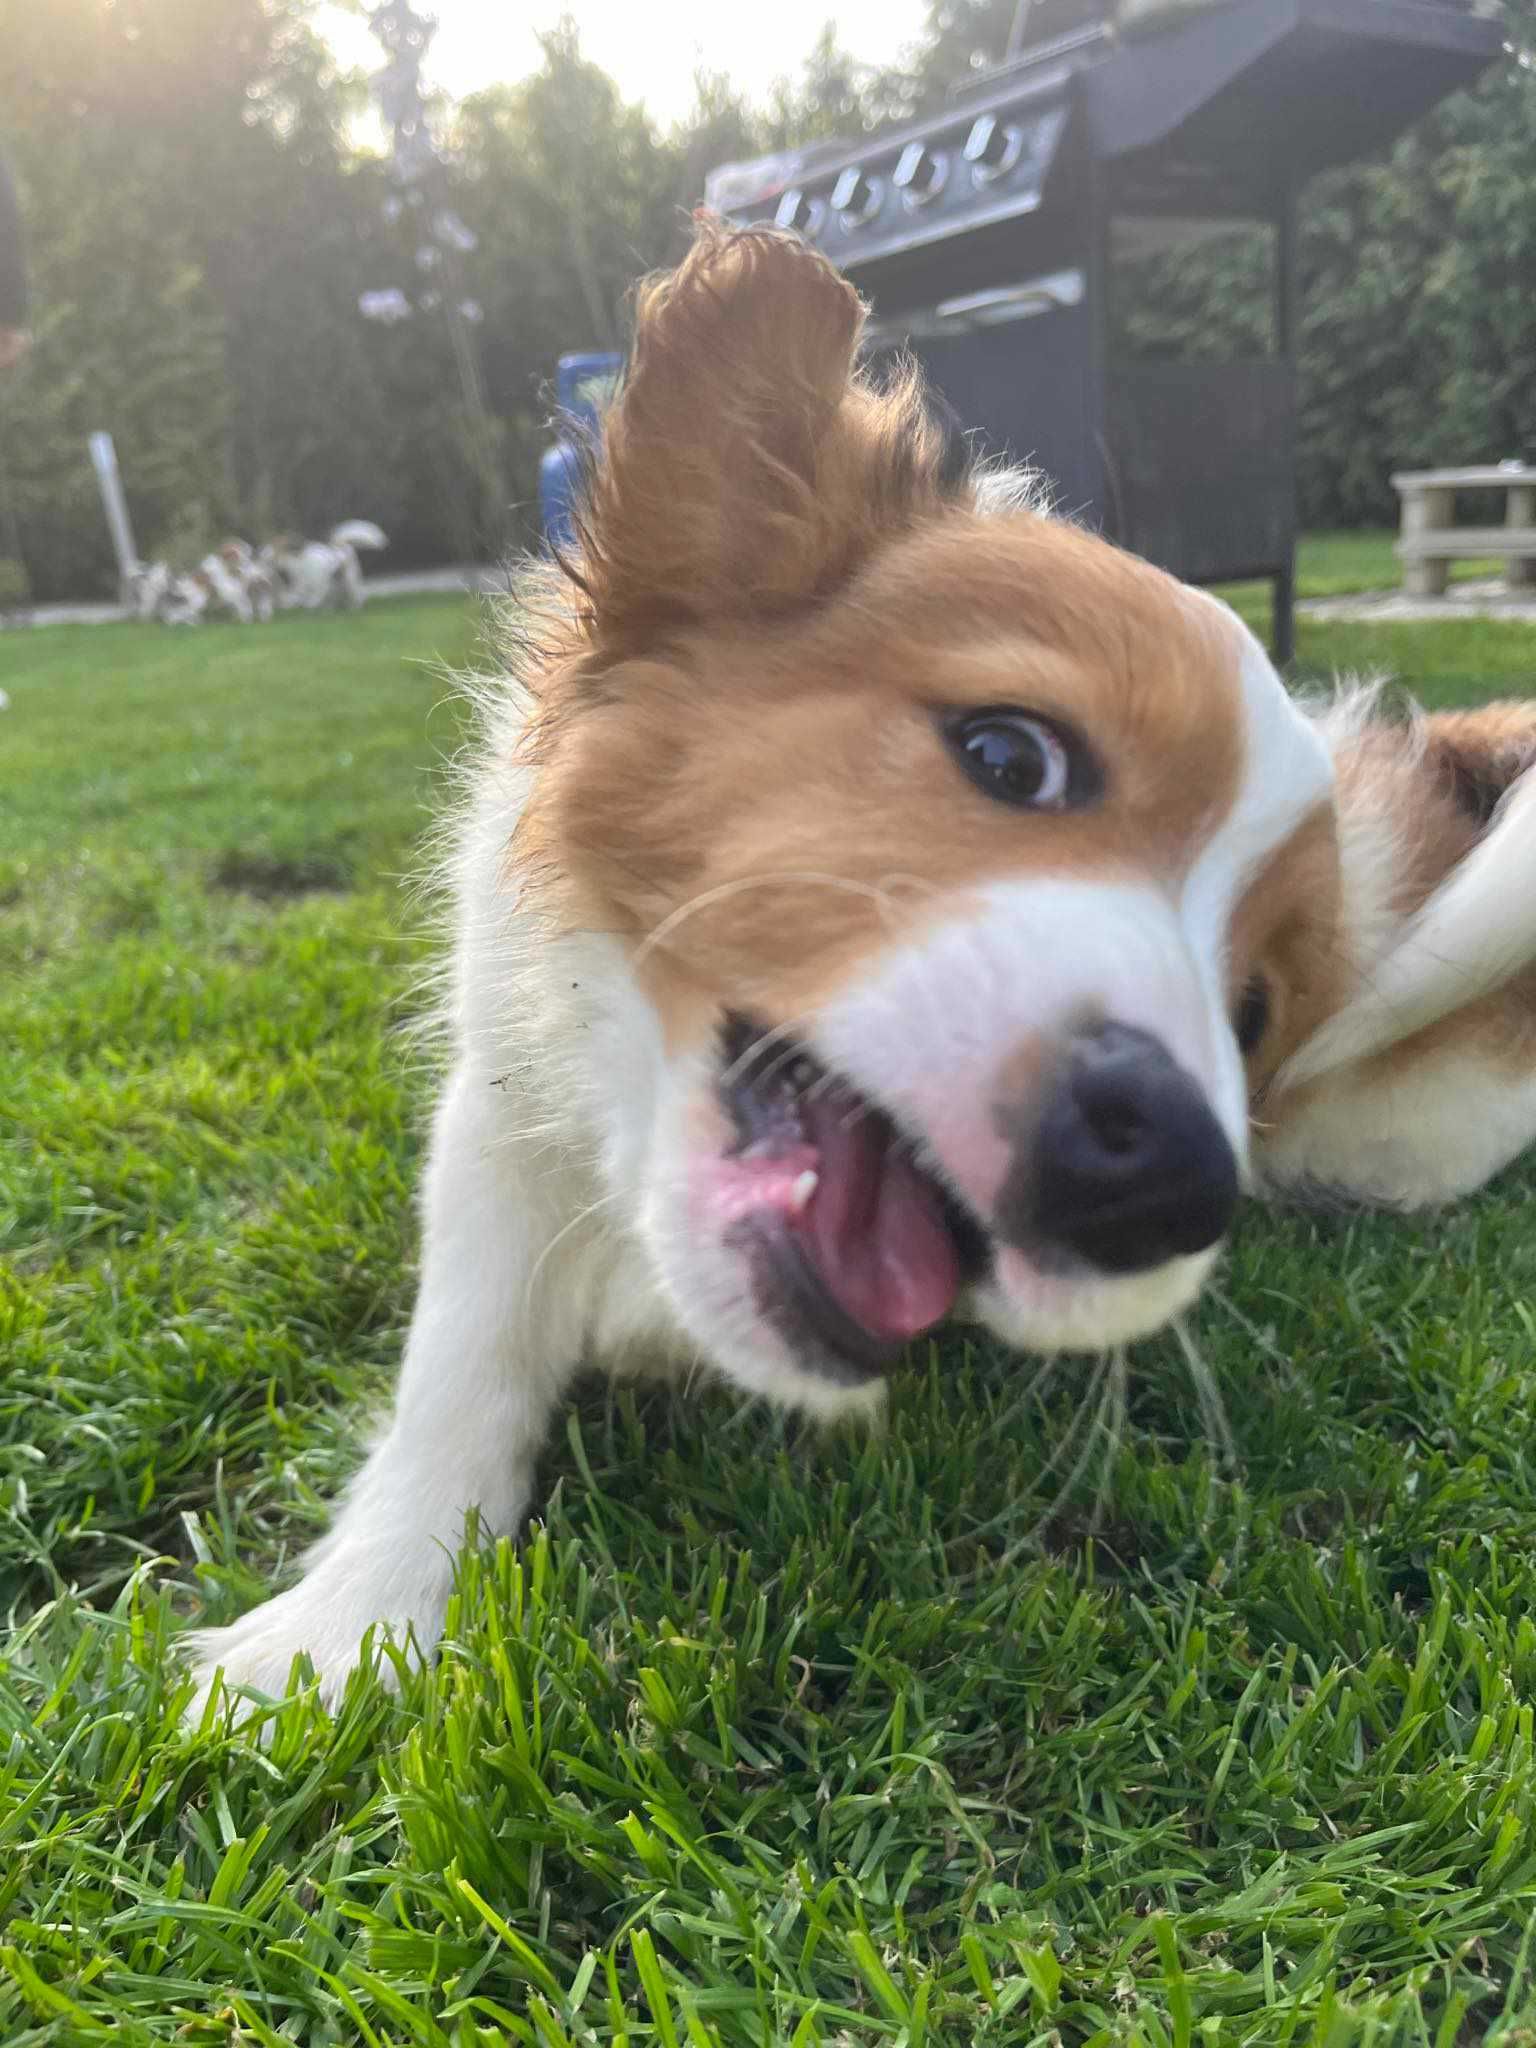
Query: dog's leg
(484, 1364)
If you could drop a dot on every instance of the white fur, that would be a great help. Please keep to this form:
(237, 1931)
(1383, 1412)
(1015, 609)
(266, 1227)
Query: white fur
(156, 592)
(1001, 490)
(1430, 1126)
(231, 580)
(146, 588)
(318, 573)
(1474, 934)
(1411, 1137)
(226, 588)
(1372, 836)
(928, 1034)
(358, 533)
(525, 1265)
(1287, 773)
(237, 559)
(573, 1197)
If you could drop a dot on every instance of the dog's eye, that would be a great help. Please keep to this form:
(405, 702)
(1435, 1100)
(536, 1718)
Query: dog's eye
(1023, 760)
(1250, 1020)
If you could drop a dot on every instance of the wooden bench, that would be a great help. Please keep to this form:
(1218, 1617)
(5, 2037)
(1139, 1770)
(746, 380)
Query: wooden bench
(1431, 539)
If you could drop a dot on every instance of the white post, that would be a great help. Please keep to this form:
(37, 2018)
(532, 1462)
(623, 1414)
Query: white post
(115, 505)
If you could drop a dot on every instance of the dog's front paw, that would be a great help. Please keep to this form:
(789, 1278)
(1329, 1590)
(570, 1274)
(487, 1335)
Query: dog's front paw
(324, 1618)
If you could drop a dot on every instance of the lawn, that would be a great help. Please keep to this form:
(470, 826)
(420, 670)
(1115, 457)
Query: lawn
(1198, 1710)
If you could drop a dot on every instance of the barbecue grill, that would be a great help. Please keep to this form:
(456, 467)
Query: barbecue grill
(987, 239)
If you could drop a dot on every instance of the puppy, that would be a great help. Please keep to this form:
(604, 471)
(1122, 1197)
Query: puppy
(154, 591)
(222, 577)
(316, 574)
(1421, 1082)
(250, 578)
(226, 581)
(875, 902)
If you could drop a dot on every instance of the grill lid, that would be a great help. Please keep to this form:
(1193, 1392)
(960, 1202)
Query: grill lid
(1212, 115)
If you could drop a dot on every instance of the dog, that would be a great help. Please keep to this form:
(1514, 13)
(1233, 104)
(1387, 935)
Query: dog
(222, 577)
(229, 580)
(316, 574)
(153, 590)
(1420, 1083)
(877, 901)
(251, 588)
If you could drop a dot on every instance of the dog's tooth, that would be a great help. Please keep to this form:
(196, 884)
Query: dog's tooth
(802, 1190)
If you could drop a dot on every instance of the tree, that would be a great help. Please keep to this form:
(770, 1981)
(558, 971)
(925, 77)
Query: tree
(199, 230)
(571, 195)
(127, 334)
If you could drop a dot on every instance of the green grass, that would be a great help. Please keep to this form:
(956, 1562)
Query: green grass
(761, 1737)
(1337, 564)
(1343, 565)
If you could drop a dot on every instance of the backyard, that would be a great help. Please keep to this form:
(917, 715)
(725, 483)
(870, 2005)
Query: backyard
(1194, 1710)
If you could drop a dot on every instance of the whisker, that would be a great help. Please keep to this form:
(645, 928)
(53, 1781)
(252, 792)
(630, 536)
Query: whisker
(1218, 1425)
(1213, 1410)
(1265, 1342)
(1034, 1392)
(725, 890)
(1106, 1380)
(1115, 1434)
(1084, 1430)
(789, 1050)
(581, 1216)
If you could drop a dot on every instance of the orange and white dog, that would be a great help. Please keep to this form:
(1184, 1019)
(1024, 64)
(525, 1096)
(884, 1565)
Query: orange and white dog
(879, 902)
(316, 575)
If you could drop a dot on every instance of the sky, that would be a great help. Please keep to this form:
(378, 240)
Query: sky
(650, 47)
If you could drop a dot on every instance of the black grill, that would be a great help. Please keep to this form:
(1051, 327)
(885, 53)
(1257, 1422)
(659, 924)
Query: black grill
(987, 240)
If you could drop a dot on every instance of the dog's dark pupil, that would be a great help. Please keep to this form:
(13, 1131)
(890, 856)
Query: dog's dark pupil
(1009, 758)
(1251, 1018)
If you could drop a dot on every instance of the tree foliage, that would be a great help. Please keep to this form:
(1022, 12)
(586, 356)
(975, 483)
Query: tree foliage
(195, 223)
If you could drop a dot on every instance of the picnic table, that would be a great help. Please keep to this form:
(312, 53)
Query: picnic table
(1431, 539)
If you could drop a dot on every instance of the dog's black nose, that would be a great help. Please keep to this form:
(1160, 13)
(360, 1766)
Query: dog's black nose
(1128, 1167)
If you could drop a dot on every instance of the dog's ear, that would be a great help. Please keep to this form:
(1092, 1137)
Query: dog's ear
(1480, 754)
(746, 468)
(1443, 814)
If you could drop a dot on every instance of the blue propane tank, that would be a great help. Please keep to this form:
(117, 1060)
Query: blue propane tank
(586, 383)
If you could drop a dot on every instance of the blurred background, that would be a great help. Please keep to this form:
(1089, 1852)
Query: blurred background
(308, 262)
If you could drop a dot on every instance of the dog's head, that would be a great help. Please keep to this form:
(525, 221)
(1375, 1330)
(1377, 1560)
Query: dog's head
(963, 861)
(1421, 1080)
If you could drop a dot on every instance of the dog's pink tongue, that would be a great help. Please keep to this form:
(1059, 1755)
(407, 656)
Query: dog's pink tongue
(875, 1230)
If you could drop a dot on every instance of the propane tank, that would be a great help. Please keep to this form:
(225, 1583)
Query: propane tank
(586, 384)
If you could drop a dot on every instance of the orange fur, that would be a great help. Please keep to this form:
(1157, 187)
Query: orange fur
(1286, 929)
(1415, 797)
(1499, 1029)
(1473, 758)
(746, 469)
(740, 769)
(764, 808)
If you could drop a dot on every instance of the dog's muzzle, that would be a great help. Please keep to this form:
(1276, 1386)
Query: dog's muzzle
(1121, 1164)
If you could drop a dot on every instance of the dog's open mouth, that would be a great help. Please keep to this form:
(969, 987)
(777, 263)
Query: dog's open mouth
(855, 1247)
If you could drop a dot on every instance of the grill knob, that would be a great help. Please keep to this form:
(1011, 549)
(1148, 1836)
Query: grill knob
(992, 146)
(856, 196)
(920, 171)
(797, 211)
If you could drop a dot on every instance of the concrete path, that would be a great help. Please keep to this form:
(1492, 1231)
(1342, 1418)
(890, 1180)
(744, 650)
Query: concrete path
(414, 583)
(1487, 598)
